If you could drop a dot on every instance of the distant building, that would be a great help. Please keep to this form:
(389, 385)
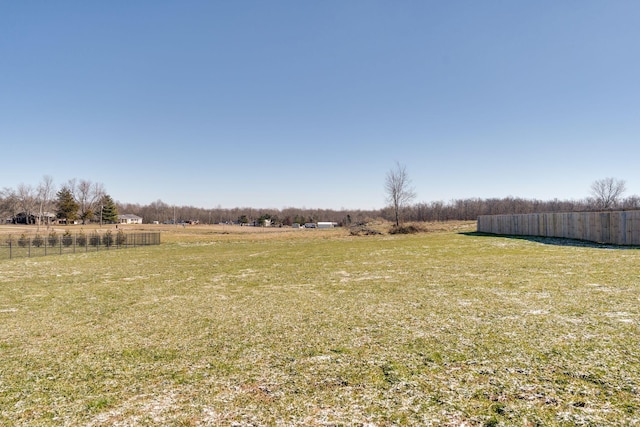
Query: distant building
(26, 218)
(326, 224)
(129, 219)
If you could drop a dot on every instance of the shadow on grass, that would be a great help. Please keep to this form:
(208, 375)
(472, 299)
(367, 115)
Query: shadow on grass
(555, 241)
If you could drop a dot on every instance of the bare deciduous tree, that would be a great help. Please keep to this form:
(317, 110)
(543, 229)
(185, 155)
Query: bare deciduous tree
(607, 192)
(45, 193)
(8, 204)
(26, 201)
(159, 209)
(631, 202)
(88, 195)
(398, 189)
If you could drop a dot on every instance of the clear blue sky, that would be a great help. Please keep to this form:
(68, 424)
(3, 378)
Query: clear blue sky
(310, 103)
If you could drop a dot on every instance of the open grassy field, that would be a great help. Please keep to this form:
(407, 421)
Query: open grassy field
(317, 327)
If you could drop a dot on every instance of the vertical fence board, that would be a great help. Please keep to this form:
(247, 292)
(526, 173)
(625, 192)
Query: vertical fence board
(634, 227)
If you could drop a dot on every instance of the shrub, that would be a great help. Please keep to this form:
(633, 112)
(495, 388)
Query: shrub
(23, 241)
(107, 239)
(405, 229)
(81, 239)
(37, 241)
(52, 238)
(121, 238)
(94, 240)
(67, 240)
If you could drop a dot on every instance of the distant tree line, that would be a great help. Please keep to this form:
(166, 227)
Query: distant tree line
(470, 209)
(165, 213)
(82, 200)
(459, 209)
(605, 194)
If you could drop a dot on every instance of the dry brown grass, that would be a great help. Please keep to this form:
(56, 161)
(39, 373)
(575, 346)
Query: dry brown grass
(316, 327)
(205, 232)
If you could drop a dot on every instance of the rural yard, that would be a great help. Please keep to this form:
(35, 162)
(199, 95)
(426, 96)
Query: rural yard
(245, 326)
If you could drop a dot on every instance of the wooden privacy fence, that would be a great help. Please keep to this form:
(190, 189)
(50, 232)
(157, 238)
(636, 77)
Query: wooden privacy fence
(613, 227)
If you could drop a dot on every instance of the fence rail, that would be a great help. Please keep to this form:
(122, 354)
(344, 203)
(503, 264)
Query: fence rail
(613, 227)
(12, 246)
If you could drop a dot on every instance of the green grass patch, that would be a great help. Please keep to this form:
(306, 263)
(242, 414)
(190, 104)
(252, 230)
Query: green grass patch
(317, 328)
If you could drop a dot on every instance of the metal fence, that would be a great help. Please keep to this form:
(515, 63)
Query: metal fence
(34, 245)
(612, 227)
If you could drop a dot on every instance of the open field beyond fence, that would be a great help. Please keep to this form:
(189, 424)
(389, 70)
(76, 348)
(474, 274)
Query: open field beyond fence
(317, 327)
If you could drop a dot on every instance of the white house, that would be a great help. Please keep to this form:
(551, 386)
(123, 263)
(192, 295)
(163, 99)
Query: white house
(129, 219)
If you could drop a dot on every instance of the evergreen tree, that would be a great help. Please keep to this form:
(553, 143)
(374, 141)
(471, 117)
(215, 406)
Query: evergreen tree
(109, 209)
(263, 219)
(66, 205)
